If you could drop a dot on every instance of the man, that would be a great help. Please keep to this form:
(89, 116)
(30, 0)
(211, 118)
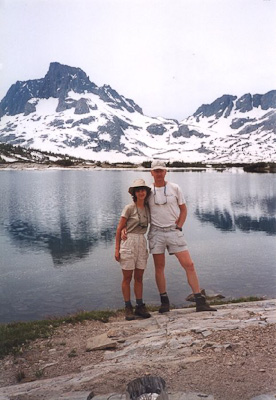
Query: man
(168, 214)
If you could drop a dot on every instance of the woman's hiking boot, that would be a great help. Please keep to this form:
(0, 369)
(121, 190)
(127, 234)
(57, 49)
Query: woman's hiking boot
(129, 315)
(141, 311)
(165, 304)
(201, 303)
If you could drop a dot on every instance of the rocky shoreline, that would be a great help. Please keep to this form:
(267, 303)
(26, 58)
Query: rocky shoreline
(223, 355)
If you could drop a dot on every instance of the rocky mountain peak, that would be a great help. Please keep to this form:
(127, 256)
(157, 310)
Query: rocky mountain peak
(60, 79)
(223, 106)
(18, 95)
(67, 113)
(112, 97)
(57, 83)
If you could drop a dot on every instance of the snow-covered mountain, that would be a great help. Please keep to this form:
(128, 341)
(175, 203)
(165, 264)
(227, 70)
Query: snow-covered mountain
(66, 113)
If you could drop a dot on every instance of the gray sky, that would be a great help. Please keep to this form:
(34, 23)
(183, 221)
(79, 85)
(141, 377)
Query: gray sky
(169, 56)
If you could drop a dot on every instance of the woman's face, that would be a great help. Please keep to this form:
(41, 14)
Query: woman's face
(140, 193)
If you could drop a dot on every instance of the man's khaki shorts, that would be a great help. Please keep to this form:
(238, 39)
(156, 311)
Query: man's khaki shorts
(171, 239)
(134, 252)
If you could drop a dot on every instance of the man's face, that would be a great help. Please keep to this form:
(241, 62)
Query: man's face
(158, 175)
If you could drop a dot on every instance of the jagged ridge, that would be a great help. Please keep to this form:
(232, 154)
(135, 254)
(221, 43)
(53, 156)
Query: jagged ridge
(65, 112)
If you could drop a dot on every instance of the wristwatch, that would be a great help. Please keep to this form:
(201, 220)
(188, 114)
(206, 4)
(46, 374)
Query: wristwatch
(178, 227)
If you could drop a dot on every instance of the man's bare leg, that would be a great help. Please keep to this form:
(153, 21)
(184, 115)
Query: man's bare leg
(159, 263)
(187, 263)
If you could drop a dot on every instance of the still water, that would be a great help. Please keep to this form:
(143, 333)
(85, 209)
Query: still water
(57, 232)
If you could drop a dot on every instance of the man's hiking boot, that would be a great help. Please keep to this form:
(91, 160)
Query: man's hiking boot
(165, 305)
(141, 311)
(202, 305)
(129, 316)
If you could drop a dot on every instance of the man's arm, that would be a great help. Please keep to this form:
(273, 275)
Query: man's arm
(182, 216)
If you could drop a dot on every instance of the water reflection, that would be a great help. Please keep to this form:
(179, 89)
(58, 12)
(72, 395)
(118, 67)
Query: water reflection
(64, 246)
(232, 202)
(228, 221)
(61, 214)
(67, 220)
(69, 213)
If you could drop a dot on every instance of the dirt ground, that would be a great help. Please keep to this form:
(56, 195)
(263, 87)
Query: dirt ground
(236, 372)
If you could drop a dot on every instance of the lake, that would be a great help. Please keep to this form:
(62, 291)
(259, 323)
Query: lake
(57, 230)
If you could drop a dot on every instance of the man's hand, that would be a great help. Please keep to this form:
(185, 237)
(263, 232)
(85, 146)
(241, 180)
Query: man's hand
(177, 225)
(124, 234)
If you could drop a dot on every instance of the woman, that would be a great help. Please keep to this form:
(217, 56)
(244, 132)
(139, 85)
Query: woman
(132, 253)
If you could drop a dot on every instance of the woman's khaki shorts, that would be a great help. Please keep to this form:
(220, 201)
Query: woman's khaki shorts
(134, 252)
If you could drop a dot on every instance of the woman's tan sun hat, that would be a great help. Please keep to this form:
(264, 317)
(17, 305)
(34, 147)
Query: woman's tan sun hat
(138, 183)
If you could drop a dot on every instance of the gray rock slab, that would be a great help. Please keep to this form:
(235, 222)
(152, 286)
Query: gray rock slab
(166, 339)
(190, 396)
(110, 396)
(270, 396)
(73, 396)
(172, 396)
(100, 342)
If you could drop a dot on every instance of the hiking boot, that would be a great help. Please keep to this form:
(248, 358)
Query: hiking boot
(129, 316)
(202, 305)
(141, 311)
(165, 305)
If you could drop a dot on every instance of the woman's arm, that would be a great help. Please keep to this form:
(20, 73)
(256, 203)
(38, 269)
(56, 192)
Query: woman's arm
(121, 225)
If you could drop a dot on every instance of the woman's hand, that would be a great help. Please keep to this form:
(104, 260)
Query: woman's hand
(121, 226)
(117, 255)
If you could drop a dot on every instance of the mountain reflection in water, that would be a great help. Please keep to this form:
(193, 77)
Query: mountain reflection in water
(67, 218)
(64, 246)
(57, 236)
(226, 221)
(74, 218)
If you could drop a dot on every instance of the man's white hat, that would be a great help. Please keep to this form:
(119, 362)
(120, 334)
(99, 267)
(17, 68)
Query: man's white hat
(158, 164)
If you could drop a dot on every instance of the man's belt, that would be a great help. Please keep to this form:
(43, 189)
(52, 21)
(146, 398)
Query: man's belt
(165, 229)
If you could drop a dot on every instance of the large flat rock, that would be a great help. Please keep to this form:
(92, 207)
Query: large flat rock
(168, 339)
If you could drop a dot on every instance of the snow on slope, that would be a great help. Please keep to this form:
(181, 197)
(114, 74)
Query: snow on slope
(78, 135)
(66, 113)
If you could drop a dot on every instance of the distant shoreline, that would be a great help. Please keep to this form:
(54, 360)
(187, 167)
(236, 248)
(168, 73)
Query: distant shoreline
(36, 166)
(31, 166)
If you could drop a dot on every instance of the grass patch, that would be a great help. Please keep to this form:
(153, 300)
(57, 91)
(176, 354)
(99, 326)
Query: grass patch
(14, 335)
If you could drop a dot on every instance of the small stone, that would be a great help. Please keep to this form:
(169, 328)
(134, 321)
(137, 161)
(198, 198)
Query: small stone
(52, 350)
(206, 333)
(49, 365)
(100, 342)
(208, 344)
